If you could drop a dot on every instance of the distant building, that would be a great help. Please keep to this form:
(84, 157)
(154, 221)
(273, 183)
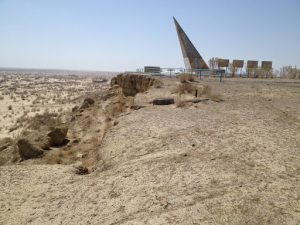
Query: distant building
(152, 69)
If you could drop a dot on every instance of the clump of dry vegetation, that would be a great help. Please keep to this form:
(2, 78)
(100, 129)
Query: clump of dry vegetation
(81, 170)
(216, 98)
(187, 78)
(63, 156)
(180, 102)
(194, 89)
(46, 119)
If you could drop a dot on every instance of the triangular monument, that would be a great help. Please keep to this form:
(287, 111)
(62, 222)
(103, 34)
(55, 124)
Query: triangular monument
(192, 58)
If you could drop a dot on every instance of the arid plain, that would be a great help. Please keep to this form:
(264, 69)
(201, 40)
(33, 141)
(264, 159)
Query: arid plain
(223, 153)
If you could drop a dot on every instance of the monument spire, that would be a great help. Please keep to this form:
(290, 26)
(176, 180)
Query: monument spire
(192, 58)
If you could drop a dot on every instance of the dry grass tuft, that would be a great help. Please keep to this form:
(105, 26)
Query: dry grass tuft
(53, 160)
(180, 102)
(185, 88)
(216, 98)
(63, 156)
(207, 90)
(158, 84)
(81, 170)
(187, 78)
(196, 90)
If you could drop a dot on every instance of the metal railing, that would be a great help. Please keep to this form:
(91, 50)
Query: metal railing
(201, 73)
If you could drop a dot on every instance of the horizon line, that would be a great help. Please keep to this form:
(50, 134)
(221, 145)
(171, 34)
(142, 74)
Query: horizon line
(56, 69)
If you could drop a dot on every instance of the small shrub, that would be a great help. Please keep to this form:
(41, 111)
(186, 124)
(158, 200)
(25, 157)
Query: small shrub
(193, 89)
(180, 103)
(9, 107)
(81, 170)
(158, 84)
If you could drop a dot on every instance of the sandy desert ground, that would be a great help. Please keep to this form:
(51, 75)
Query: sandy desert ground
(235, 161)
(25, 94)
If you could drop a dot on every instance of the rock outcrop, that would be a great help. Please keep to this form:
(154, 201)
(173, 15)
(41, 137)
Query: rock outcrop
(8, 153)
(117, 102)
(27, 150)
(87, 103)
(132, 84)
(57, 136)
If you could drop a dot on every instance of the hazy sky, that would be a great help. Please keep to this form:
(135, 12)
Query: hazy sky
(119, 35)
